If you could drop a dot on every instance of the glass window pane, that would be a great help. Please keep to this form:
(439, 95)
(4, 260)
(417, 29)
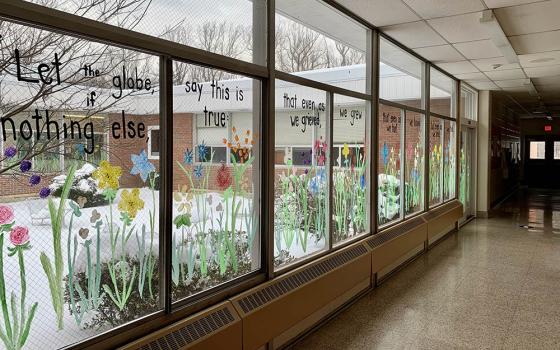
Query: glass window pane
(400, 75)
(537, 150)
(198, 23)
(449, 157)
(300, 178)
(436, 161)
(468, 104)
(77, 138)
(215, 181)
(414, 165)
(442, 91)
(556, 150)
(389, 164)
(315, 41)
(350, 175)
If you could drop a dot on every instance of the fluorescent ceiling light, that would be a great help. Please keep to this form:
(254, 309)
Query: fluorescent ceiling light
(497, 35)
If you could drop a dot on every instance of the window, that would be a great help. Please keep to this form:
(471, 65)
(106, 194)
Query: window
(436, 160)
(556, 150)
(442, 93)
(414, 163)
(537, 150)
(311, 44)
(400, 75)
(449, 160)
(153, 142)
(350, 186)
(202, 24)
(389, 205)
(89, 162)
(216, 210)
(469, 103)
(301, 193)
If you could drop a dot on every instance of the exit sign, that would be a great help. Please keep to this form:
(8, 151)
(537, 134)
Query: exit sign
(548, 128)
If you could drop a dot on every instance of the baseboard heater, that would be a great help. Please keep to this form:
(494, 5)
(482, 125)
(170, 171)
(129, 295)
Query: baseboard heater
(390, 245)
(275, 306)
(442, 218)
(218, 327)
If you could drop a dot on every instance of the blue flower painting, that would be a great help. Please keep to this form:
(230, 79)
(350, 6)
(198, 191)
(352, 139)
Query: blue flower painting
(188, 157)
(385, 153)
(141, 165)
(197, 171)
(202, 151)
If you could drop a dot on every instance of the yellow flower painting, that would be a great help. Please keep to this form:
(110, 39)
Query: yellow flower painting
(131, 202)
(107, 175)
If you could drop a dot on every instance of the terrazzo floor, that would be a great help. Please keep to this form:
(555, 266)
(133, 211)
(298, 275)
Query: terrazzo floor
(492, 285)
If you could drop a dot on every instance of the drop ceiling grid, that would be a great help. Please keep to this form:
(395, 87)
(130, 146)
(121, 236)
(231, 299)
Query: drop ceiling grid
(488, 83)
(470, 58)
(473, 51)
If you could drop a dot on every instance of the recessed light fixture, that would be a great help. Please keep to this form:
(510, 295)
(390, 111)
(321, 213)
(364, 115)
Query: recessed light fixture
(542, 60)
(497, 35)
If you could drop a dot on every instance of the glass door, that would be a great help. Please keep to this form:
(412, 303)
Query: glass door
(467, 175)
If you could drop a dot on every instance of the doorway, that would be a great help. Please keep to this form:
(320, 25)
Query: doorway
(542, 161)
(467, 172)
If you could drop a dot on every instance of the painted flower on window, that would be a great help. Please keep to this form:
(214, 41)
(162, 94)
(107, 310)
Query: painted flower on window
(44, 192)
(10, 152)
(198, 171)
(131, 202)
(25, 165)
(188, 157)
(183, 199)
(19, 235)
(223, 178)
(385, 153)
(107, 175)
(346, 151)
(6, 215)
(202, 151)
(34, 180)
(141, 165)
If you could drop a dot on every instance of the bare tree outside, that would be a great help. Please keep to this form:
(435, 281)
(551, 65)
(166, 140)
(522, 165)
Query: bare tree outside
(299, 48)
(36, 46)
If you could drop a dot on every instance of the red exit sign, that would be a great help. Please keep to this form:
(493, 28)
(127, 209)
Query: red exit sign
(548, 128)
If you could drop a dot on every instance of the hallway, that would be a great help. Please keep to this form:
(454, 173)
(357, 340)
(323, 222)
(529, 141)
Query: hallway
(493, 285)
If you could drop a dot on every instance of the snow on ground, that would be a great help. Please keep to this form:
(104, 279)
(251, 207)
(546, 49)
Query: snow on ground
(43, 334)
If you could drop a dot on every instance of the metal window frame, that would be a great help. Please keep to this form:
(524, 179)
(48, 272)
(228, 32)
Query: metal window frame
(30, 14)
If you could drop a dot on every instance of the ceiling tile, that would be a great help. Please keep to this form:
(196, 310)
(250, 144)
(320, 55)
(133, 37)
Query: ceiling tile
(441, 53)
(536, 42)
(475, 76)
(506, 74)
(484, 85)
(530, 18)
(438, 8)
(503, 3)
(458, 67)
(414, 35)
(540, 59)
(492, 64)
(456, 29)
(542, 72)
(478, 49)
(381, 12)
(513, 83)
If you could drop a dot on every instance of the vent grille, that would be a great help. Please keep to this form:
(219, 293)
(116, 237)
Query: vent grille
(388, 235)
(274, 291)
(191, 332)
